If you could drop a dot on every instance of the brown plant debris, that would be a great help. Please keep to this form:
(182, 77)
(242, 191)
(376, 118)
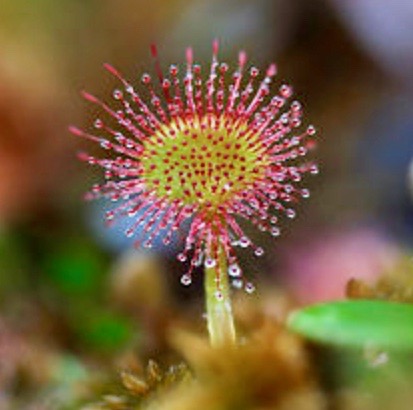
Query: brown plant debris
(396, 286)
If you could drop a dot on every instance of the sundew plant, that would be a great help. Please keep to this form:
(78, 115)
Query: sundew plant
(204, 147)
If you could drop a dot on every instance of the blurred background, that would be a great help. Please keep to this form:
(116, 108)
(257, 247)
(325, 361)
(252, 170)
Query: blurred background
(72, 294)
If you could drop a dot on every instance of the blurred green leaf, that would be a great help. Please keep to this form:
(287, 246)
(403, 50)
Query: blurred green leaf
(75, 268)
(356, 323)
(106, 331)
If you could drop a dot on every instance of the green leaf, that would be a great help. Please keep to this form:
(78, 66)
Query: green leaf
(356, 323)
(106, 331)
(75, 268)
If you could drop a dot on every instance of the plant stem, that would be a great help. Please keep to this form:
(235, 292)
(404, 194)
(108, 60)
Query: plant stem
(218, 303)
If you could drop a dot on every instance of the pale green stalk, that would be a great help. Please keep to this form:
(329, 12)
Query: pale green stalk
(218, 303)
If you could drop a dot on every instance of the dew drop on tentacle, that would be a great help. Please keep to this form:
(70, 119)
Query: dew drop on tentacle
(275, 231)
(148, 244)
(182, 257)
(311, 130)
(237, 283)
(98, 124)
(129, 232)
(219, 295)
(234, 270)
(290, 213)
(210, 262)
(109, 215)
(314, 169)
(186, 279)
(117, 94)
(273, 220)
(249, 287)
(286, 91)
(244, 242)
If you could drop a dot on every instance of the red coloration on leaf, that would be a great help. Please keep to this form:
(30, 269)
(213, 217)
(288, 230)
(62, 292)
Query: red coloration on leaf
(208, 151)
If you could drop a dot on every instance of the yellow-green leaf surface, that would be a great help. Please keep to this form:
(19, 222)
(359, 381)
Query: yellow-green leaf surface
(356, 323)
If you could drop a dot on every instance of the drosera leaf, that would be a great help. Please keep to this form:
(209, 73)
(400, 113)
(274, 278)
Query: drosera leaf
(356, 323)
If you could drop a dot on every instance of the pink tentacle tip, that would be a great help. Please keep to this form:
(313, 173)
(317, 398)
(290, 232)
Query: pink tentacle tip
(311, 144)
(89, 97)
(82, 156)
(215, 47)
(242, 58)
(189, 55)
(272, 70)
(75, 131)
(88, 197)
(111, 69)
(154, 50)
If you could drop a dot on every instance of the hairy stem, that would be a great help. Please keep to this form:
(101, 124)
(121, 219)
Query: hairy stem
(218, 303)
